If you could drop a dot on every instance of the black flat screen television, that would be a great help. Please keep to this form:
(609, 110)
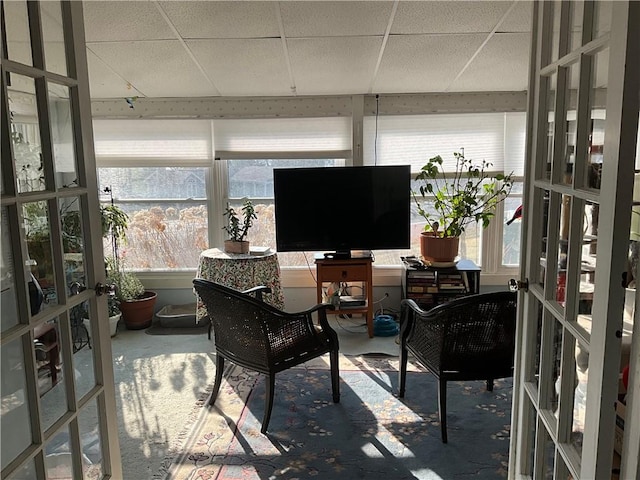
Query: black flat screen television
(339, 209)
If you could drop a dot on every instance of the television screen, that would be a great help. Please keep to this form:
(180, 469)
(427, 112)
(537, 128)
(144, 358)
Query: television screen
(339, 209)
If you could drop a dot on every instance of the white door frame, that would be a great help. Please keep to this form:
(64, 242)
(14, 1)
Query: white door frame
(534, 425)
(21, 333)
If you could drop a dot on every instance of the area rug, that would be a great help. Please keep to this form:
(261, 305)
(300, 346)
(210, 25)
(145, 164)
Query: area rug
(370, 434)
(160, 330)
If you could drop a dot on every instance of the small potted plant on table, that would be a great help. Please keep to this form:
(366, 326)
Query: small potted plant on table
(237, 229)
(470, 193)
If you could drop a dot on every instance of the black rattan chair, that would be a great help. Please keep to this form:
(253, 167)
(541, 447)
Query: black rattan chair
(470, 338)
(260, 337)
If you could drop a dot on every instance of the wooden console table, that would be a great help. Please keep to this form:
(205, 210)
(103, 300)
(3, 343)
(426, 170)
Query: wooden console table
(355, 269)
(241, 272)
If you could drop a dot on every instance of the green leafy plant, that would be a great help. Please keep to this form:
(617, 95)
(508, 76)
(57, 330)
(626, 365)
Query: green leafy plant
(128, 286)
(236, 229)
(114, 222)
(112, 305)
(469, 194)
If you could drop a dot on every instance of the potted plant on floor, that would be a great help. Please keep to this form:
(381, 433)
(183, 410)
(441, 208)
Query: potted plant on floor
(131, 298)
(470, 193)
(237, 229)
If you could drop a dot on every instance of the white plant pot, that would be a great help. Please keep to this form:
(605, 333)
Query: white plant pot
(113, 324)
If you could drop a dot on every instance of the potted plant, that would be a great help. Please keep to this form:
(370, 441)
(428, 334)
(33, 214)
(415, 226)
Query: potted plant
(134, 302)
(237, 229)
(468, 194)
(114, 317)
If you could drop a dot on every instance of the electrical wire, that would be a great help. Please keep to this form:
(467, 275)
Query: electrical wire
(375, 138)
(315, 280)
(342, 327)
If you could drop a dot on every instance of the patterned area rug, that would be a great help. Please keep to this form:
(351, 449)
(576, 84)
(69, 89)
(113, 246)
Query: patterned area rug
(370, 434)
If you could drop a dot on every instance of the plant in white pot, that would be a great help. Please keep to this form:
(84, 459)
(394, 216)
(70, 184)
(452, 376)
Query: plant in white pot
(468, 194)
(237, 229)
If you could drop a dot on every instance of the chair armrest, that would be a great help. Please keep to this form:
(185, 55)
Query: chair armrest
(258, 291)
(408, 310)
(307, 317)
(321, 308)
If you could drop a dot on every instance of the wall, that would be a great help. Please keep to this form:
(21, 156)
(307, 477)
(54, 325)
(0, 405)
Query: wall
(297, 299)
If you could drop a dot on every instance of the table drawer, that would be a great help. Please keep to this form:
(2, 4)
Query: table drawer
(343, 273)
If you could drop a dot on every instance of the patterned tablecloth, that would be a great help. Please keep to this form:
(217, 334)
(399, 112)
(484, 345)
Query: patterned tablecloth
(241, 271)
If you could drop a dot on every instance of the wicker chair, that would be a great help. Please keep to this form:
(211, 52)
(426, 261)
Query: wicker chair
(260, 337)
(470, 338)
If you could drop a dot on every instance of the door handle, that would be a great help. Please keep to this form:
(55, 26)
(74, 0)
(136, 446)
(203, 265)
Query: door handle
(516, 285)
(76, 287)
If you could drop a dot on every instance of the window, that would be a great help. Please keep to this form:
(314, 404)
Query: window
(498, 138)
(167, 211)
(157, 172)
(254, 179)
(163, 173)
(254, 147)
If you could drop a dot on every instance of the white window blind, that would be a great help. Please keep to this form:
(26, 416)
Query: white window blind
(413, 139)
(283, 134)
(121, 139)
(515, 135)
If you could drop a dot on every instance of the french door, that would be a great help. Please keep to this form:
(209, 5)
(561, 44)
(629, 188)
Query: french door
(57, 410)
(574, 337)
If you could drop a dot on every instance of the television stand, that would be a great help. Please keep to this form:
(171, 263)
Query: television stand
(347, 254)
(339, 255)
(352, 269)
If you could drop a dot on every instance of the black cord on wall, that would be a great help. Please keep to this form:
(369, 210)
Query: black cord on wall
(375, 142)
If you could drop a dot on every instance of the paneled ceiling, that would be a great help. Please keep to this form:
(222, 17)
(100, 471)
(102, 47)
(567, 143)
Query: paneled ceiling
(268, 48)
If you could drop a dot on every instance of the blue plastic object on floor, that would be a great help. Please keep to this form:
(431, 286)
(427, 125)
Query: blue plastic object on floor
(385, 326)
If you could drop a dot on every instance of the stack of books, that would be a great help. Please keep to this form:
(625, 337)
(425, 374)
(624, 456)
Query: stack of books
(422, 286)
(452, 282)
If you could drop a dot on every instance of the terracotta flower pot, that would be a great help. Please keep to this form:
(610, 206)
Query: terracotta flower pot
(438, 249)
(231, 246)
(138, 314)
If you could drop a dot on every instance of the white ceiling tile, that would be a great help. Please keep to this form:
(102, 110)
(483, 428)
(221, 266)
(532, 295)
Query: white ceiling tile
(104, 82)
(519, 19)
(244, 67)
(331, 65)
(502, 65)
(448, 17)
(332, 19)
(223, 19)
(158, 68)
(333, 46)
(119, 21)
(423, 63)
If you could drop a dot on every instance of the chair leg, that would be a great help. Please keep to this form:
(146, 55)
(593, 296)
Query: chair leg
(442, 408)
(489, 384)
(335, 376)
(402, 373)
(218, 380)
(268, 401)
